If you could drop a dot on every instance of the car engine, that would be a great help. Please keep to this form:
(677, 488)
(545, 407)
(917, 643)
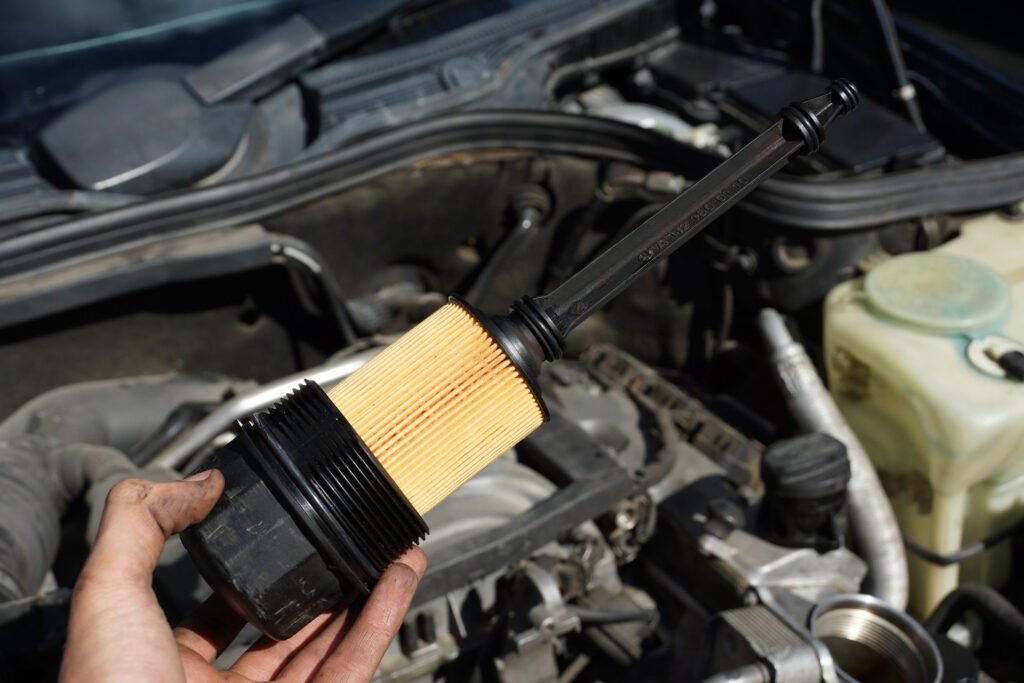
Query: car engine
(788, 453)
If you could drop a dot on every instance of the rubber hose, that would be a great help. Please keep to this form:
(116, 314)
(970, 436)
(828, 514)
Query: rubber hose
(990, 605)
(66, 442)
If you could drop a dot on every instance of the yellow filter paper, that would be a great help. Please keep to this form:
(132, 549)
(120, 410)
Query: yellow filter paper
(439, 405)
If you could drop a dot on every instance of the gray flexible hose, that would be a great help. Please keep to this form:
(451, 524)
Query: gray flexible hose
(876, 534)
(38, 478)
(72, 441)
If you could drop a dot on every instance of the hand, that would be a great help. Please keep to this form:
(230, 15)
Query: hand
(119, 633)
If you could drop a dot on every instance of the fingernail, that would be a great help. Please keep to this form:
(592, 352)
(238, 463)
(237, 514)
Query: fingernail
(199, 476)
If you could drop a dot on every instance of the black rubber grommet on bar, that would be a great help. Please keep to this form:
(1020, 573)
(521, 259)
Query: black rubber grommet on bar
(808, 119)
(847, 93)
(805, 125)
(526, 312)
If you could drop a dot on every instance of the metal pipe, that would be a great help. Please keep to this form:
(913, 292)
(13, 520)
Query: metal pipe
(175, 454)
(876, 533)
(646, 116)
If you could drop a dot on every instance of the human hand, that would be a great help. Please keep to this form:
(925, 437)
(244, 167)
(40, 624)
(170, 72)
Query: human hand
(118, 631)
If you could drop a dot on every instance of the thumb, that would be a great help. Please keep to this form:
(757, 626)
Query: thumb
(117, 628)
(138, 518)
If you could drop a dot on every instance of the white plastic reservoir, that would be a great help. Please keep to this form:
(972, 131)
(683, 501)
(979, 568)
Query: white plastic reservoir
(909, 353)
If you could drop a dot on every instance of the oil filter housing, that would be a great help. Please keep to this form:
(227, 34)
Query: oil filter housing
(308, 516)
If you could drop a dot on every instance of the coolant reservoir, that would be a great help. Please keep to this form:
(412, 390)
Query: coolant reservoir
(907, 364)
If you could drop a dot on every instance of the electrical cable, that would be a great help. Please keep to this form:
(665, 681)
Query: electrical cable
(817, 37)
(965, 553)
(905, 92)
(295, 251)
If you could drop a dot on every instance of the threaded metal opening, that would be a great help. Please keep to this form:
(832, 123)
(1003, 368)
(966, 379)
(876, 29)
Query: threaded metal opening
(870, 641)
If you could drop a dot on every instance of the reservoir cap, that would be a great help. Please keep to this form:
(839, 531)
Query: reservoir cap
(938, 292)
(805, 481)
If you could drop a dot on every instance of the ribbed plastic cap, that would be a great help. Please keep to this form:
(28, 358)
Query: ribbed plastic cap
(938, 292)
(807, 467)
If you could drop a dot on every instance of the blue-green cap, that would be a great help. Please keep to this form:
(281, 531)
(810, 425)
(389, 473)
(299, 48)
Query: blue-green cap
(938, 292)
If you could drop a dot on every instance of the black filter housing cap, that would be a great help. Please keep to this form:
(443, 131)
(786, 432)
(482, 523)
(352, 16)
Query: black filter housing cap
(307, 518)
(805, 480)
(273, 576)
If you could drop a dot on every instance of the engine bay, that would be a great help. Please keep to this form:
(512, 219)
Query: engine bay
(789, 452)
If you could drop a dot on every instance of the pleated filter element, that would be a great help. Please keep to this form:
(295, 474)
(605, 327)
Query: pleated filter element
(439, 405)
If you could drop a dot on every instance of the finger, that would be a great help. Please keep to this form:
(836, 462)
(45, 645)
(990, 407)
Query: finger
(137, 520)
(209, 630)
(305, 662)
(364, 645)
(265, 658)
(416, 559)
(114, 603)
